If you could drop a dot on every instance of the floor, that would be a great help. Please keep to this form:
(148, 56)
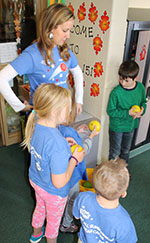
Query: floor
(17, 203)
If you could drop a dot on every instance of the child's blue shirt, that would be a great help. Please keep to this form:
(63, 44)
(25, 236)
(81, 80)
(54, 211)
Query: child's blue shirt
(101, 225)
(50, 154)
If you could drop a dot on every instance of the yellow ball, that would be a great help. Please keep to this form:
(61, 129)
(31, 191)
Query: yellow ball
(92, 125)
(136, 108)
(73, 147)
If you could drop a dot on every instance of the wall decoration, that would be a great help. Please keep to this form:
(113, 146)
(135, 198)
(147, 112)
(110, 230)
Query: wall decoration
(98, 69)
(89, 32)
(81, 12)
(18, 30)
(97, 43)
(71, 7)
(94, 89)
(70, 80)
(143, 53)
(104, 23)
(49, 2)
(93, 13)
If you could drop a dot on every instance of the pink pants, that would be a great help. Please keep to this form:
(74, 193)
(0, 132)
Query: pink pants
(49, 207)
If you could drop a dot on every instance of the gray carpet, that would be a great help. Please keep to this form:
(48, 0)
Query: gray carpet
(17, 200)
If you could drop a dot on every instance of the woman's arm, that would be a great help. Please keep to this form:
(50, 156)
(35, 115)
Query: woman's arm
(78, 80)
(6, 74)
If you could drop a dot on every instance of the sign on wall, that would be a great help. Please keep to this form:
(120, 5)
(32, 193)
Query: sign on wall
(87, 42)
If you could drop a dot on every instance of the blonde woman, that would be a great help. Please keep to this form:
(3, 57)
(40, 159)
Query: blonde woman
(51, 161)
(48, 60)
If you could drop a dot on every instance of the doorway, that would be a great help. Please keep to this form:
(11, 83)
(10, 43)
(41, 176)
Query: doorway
(137, 48)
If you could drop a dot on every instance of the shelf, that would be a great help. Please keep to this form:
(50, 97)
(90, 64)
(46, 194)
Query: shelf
(7, 138)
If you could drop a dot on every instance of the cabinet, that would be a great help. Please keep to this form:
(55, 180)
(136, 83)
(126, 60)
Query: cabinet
(7, 138)
(28, 11)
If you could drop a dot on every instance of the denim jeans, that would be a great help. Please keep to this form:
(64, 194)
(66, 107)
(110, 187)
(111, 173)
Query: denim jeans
(120, 144)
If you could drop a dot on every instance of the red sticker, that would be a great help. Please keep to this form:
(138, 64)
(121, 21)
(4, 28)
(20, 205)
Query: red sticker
(63, 67)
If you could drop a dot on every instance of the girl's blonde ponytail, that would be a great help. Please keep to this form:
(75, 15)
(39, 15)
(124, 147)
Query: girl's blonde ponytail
(29, 130)
(47, 98)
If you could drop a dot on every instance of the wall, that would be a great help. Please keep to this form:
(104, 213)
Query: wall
(99, 67)
(139, 4)
(139, 10)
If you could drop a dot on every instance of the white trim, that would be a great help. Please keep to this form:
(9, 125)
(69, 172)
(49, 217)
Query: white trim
(139, 150)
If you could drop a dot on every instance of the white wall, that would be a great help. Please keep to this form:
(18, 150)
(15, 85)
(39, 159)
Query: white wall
(111, 56)
(139, 3)
(139, 10)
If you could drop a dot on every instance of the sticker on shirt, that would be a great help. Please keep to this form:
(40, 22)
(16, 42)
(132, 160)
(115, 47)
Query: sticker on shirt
(37, 158)
(60, 70)
(58, 74)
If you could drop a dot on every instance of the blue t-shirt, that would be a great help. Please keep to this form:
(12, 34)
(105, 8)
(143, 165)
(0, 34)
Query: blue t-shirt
(31, 62)
(79, 172)
(101, 225)
(50, 154)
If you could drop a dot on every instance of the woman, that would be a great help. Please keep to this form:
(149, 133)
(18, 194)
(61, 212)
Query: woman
(48, 60)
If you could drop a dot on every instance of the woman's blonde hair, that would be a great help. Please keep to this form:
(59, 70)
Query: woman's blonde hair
(47, 98)
(56, 14)
(111, 178)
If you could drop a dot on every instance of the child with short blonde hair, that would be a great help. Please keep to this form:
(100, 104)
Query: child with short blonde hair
(102, 217)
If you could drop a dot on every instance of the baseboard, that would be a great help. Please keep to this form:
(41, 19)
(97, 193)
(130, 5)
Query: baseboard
(139, 150)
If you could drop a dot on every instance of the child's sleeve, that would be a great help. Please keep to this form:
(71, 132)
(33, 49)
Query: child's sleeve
(76, 207)
(87, 145)
(127, 233)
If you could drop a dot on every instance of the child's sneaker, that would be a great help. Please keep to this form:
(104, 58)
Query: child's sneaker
(70, 229)
(36, 239)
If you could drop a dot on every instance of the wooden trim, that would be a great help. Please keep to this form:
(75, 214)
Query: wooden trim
(40, 5)
(4, 129)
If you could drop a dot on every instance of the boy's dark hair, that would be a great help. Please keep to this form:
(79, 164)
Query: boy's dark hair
(128, 69)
